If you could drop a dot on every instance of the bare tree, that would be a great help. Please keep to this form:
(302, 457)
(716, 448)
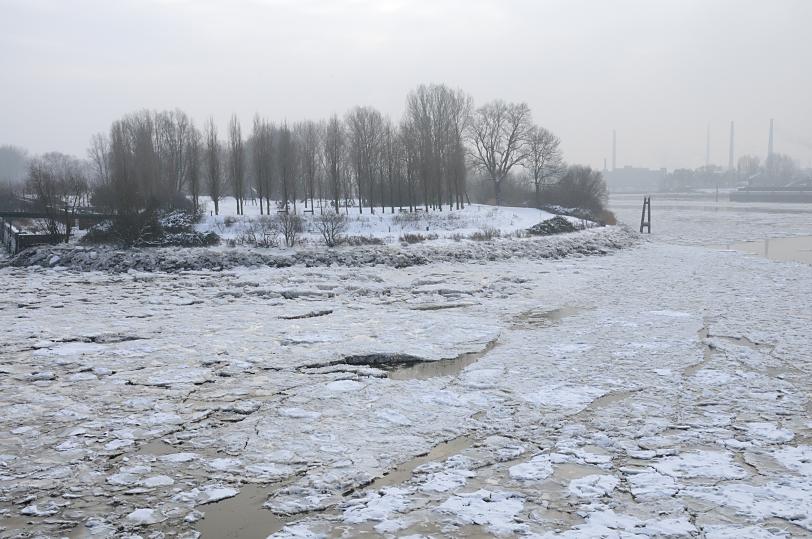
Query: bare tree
(498, 138)
(290, 224)
(172, 131)
(365, 131)
(259, 162)
(286, 157)
(193, 156)
(333, 156)
(544, 159)
(390, 159)
(99, 155)
(213, 172)
(59, 184)
(411, 161)
(236, 163)
(307, 136)
(262, 156)
(331, 225)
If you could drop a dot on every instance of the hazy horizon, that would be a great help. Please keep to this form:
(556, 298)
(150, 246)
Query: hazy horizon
(658, 73)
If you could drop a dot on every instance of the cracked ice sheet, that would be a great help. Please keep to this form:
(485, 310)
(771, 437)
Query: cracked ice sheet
(611, 393)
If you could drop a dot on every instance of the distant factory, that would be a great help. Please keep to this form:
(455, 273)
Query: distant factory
(777, 171)
(629, 179)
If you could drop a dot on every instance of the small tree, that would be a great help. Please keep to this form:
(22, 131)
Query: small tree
(193, 154)
(544, 160)
(290, 224)
(213, 165)
(331, 225)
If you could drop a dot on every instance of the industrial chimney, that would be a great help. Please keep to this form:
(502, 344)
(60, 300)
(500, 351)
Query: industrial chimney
(614, 149)
(730, 162)
(770, 144)
(707, 148)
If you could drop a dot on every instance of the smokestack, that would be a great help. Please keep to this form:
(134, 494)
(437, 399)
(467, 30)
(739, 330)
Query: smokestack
(614, 149)
(707, 148)
(770, 144)
(730, 158)
(604, 164)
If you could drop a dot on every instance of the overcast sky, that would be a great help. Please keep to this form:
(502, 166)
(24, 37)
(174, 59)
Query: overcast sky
(656, 71)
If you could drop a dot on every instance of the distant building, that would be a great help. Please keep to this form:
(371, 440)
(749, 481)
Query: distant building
(634, 179)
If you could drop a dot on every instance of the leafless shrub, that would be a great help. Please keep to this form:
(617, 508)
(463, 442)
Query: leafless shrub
(406, 218)
(485, 234)
(263, 232)
(331, 225)
(417, 238)
(290, 224)
(229, 221)
(355, 241)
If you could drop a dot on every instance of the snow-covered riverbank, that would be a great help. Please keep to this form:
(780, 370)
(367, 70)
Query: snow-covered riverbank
(593, 241)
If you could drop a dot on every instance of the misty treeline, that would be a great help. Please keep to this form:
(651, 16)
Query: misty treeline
(361, 161)
(776, 170)
(54, 182)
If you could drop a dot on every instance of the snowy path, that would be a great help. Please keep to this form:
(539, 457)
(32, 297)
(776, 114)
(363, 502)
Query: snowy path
(659, 391)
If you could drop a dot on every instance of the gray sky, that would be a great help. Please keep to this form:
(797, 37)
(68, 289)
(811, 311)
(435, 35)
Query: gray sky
(657, 71)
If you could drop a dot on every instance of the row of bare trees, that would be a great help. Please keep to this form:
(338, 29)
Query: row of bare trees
(363, 161)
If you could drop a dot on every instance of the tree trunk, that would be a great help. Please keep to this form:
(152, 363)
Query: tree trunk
(538, 195)
(497, 185)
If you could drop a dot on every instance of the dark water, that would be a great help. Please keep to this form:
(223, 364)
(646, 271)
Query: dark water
(797, 249)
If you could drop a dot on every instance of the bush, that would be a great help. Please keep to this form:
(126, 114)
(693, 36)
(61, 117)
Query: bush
(556, 225)
(407, 218)
(98, 233)
(142, 228)
(485, 234)
(229, 220)
(417, 238)
(178, 221)
(260, 233)
(580, 187)
(146, 229)
(331, 225)
(190, 239)
(605, 217)
(356, 241)
(290, 224)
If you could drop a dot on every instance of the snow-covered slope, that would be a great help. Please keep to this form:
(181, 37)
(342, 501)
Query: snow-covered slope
(384, 225)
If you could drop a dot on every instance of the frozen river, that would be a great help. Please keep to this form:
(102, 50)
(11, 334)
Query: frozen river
(661, 391)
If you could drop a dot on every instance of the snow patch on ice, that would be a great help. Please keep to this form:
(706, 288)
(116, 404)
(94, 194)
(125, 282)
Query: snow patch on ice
(712, 464)
(145, 517)
(376, 506)
(538, 468)
(495, 510)
(797, 459)
(593, 486)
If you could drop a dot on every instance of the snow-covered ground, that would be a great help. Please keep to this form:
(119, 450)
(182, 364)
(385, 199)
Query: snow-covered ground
(384, 225)
(661, 391)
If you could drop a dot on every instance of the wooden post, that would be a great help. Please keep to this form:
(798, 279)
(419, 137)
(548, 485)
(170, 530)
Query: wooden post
(646, 223)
